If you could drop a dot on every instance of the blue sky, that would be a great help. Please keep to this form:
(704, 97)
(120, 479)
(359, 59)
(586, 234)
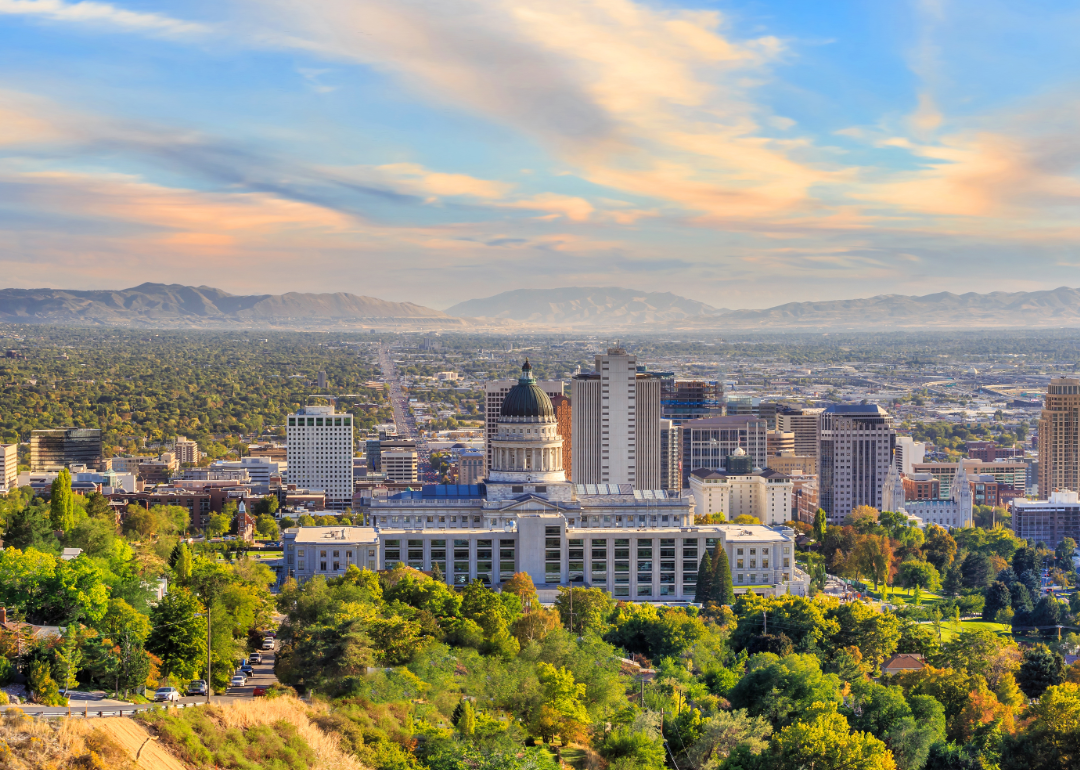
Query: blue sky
(742, 153)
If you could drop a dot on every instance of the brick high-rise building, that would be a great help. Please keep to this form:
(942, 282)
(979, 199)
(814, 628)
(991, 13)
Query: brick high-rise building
(564, 426)
(1059, 437)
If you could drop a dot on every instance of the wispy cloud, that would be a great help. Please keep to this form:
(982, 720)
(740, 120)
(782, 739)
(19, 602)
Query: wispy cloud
(101, 14)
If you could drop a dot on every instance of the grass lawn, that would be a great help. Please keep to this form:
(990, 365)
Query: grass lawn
(948, 629)
(900, 596)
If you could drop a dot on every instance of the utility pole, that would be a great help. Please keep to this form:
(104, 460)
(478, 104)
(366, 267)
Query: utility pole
(765, 615)
(208, 679)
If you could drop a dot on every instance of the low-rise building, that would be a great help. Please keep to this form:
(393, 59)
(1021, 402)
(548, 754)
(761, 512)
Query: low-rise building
(1047, 521)
(765, 494)
(790, 463)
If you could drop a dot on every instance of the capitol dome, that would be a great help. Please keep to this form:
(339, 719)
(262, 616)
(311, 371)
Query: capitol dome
(526, 400)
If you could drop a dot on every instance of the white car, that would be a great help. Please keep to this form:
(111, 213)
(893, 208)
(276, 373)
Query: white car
(237, 681)
(268, 643)
(166, 694)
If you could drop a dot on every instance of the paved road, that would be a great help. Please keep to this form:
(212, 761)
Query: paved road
(81, 703)
(403, 417)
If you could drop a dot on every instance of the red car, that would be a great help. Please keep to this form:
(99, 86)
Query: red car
(259, 691)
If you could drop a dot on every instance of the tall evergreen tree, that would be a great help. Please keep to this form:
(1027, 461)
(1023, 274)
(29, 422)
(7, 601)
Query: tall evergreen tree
(723, 590)
(703, 592)
(819, 525)
(61, 504)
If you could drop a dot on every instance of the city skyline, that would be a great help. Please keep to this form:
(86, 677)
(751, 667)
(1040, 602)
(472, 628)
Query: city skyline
(771, 152)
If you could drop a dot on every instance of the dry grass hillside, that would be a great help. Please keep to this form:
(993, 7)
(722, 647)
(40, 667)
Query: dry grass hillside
(278, 733)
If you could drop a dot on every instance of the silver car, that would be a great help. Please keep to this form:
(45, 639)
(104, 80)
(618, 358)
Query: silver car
(166, 694)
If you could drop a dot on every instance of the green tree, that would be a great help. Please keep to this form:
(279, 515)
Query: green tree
(218, 525)
(61, 504)
(919, 573)
(703, 589)
(266, 526)
(726, 731)
(1064, 553)
(178, 636)
(825, 742)
(723, 589)
(1024, 559)
(977, 571)
(998, 598)
(97, 507)
(183, 565)
(466, 723)
(875, 634)
(783, 689)
(69, 657)
(939, 547)
(1052, 739)
(820, 525)
(43, 686)
(582, 609)
(1041, 668)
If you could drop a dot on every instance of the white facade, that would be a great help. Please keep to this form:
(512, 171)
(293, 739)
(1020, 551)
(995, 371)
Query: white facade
(259, 469)
(329, 551)
(9, 466)
(766, 495)
(953, 513)
(320, 451)
(908, 452)
(616, 424)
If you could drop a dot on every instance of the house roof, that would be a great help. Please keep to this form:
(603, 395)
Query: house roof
(904, 661)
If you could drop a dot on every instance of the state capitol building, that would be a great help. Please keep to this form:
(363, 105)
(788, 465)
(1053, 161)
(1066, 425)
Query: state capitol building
(635, 544)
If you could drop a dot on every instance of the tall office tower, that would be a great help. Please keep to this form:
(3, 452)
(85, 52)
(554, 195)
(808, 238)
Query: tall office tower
(564, 426)
(1059, 437)
(322, 382)
(682, 400)
(616, 423)
(495, 391)
(806, 425)
(710, 442)
(399, 460)
(52, 450)
(857, 443)
(9, 467)
(320, 452)
(670, 446)
(470, 466)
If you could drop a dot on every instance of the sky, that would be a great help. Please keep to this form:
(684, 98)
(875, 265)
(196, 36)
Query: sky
(745, 153)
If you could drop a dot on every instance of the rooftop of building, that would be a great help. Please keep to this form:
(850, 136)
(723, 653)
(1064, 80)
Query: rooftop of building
(443, 491)
(730, 419)
(766, 473)
(859, 409)
(341, 534)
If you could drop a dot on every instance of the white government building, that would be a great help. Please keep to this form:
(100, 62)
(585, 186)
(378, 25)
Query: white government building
(635, 544)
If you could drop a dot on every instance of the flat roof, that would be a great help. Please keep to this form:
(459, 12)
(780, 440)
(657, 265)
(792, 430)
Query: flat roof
(334, 534)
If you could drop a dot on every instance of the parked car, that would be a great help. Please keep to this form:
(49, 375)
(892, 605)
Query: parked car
(247, 670)
(268, 643)
(166, 694)
(256, 657)
(198, 687)
(237, 681)
(259, 691)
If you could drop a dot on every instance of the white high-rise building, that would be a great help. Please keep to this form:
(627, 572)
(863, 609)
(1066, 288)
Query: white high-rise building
(806, 425)
(857, 443)
(616, 424)
(9, 467)
(320, 452)
(908, 452)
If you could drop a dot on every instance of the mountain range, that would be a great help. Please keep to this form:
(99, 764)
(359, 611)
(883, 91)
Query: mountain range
(583, 308)
(158, 304)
